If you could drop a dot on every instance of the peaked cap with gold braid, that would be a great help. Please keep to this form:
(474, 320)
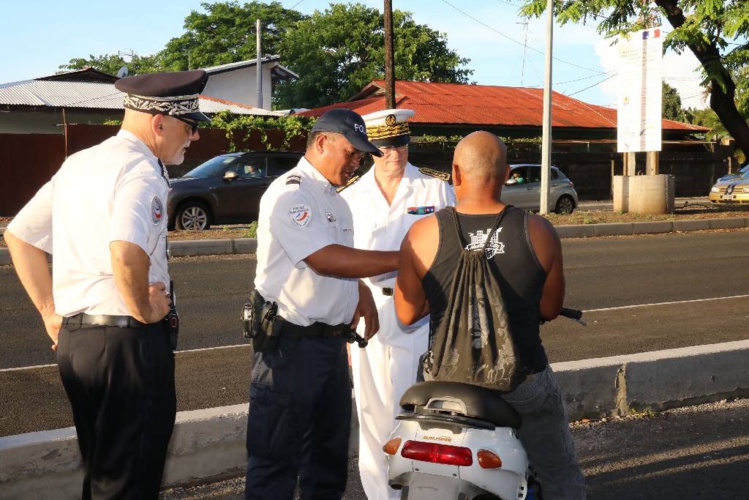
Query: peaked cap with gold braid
(388, 128)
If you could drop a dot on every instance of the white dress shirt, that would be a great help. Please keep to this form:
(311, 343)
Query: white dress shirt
(301, 213)
(115, 191)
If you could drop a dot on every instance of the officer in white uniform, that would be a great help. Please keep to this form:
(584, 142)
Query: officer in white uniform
(106, 305)
(384, 202)
(310, 297)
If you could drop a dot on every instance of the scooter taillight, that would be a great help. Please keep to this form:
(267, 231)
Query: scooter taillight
(437, 453)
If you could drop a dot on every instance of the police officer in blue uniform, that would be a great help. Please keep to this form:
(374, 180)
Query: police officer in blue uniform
(307, 298)
(106, 305)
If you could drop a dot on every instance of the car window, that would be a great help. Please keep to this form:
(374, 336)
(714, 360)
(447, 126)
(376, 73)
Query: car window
(534, 174)
(214, 166)
(554, 174)
(250, 168)
(519, 174)
(278, 165)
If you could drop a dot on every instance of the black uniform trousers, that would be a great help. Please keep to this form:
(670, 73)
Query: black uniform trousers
(120, 383)
(299, 420)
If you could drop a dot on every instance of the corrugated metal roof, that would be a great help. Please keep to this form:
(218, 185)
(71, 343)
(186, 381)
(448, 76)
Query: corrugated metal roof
(61, 94)
(277, 69)
(458, 104)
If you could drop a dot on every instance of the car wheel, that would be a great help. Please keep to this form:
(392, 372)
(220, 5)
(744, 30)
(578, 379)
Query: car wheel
(193, 216)
(565, 205)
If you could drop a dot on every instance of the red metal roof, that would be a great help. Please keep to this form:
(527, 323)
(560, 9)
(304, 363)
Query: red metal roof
(459, 104)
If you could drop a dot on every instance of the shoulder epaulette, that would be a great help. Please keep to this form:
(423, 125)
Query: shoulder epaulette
(443, 176)
(350, 182)
(293, 179)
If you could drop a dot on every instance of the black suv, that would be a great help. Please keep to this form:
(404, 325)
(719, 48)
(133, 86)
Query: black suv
(225, 189)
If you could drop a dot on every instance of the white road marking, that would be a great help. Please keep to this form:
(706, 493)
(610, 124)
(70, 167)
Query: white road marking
(634, 306)
(20, 368)
(587, 311)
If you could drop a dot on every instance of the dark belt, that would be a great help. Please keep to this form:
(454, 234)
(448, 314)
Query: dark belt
(315, 330)
(388, 292)
(102, 320)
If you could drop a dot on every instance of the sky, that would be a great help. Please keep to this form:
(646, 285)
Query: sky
(504, 49)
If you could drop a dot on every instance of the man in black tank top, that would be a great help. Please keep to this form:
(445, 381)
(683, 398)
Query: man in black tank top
(526, 259)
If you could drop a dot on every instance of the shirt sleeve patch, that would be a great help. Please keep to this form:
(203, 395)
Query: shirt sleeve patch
(157, 210)
(300, 215)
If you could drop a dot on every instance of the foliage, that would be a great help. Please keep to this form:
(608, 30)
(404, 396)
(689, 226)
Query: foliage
(338, 51)
(111, 63)
(715, 31)
(226, 32)
(251, 230)
(671, 106)
(292, 126)
(335, 52)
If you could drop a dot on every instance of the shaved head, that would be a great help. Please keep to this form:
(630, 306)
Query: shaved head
(481, 156)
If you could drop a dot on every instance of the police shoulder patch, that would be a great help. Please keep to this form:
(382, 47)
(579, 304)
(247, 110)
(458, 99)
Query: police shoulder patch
(157, 210)
(443, 176)
(293, 179)
(350, 182)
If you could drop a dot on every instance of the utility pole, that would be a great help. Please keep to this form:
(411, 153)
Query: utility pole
(389, 59)
(259, 66)
(546, 138)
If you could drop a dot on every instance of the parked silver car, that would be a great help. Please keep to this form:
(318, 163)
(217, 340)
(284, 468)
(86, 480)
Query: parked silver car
(523, 189)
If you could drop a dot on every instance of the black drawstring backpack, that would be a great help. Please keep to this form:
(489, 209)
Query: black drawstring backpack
(474, 345)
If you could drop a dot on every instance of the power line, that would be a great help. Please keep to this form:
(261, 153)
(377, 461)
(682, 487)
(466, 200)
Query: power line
(594, 85)
(516, 41)
(580, 79)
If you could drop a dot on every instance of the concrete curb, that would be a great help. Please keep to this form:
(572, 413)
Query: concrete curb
(210, 443)
(249, 245)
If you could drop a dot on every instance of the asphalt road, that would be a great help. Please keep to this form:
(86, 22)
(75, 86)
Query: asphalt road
(640, 294)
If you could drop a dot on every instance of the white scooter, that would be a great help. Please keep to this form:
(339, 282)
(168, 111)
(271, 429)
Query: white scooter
(458, 441)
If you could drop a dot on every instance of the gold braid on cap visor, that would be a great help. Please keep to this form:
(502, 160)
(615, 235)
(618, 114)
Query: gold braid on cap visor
(380, 132)
(175, 105)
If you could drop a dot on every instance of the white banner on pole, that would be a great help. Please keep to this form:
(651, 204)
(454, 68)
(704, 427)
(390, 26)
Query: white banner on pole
(640, 91)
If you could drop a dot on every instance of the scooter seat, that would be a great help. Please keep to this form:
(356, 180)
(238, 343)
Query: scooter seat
(480, 403)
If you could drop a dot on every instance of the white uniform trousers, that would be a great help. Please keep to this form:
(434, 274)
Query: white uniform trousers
(382, 372)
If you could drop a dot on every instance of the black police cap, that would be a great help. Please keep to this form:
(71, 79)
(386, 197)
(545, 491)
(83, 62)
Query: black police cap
(173, 93)
(350, 125)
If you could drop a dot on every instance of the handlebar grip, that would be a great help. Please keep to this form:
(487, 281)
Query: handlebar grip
(571, 313)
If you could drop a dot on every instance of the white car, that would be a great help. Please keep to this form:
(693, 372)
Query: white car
(523, 189)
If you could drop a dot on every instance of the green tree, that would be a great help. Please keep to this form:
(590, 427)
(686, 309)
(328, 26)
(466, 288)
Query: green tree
(111, 64)
(715, 31)
(338, 51)
(226, 32)
(671, 104)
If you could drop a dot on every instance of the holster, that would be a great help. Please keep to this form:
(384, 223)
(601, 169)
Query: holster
(260, 323)
(172, 319)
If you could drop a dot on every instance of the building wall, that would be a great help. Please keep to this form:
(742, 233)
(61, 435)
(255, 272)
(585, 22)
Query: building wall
(50, 121)
(240, 86)
(28, 161)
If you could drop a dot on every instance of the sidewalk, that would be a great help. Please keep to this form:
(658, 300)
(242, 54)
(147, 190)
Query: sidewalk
(695, 452)
(210, 444)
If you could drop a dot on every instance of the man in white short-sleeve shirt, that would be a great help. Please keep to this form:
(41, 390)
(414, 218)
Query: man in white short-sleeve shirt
(106, 305)
(308, 272)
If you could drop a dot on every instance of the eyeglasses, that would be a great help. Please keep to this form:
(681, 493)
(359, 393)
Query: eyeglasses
(390, 149)
(193, 124)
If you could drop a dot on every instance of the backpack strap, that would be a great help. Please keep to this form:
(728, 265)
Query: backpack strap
(496, 224)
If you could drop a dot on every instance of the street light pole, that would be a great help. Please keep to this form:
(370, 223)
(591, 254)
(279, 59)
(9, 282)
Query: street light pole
(546, 137)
